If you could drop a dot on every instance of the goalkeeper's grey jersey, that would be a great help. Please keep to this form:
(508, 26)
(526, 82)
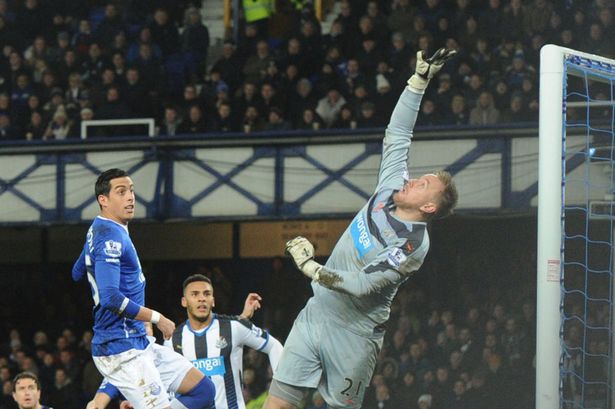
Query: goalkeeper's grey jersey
(378, 251)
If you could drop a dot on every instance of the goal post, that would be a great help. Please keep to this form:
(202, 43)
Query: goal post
(575, 346)
(549, 251)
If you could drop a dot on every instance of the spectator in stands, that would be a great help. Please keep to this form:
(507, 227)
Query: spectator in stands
(136, 94)
(269, 99)
(399, 54)
(60, 126)
(300, 98)
(170, 122)
(537, 18)
(164, 32)
(367, 117)
(110, 25)
(229, 66)
(113, 107)
(516, 112)
(490, 21)
(92, 67)
(327, 79)
(32, 18)
(369, 55)
(99, 91)
(118, 64)
(346, 119)
(195, 40)
(310, 120)
(276, 121)
(252, 120)
(35, 128)
(485, 112)
(7, 131)
(64, 393)
(82, 38)
(119, 44)
(256, 65)
(329, 106)
(195, 122)
(225, 120)
(401, 18)
(458, 114)
(149, 67)
(294, 54)
(248, 96)
(514, 17)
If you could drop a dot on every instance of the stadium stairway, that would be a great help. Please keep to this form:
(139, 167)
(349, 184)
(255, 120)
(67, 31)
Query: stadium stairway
(212, 12)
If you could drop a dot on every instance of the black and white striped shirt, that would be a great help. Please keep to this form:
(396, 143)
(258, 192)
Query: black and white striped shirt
(217, 351)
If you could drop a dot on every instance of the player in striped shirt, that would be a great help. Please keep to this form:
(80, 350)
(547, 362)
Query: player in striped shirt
(213, 343)
(335, 340)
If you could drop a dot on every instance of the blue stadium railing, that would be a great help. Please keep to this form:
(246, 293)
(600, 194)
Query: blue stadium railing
(266, 175)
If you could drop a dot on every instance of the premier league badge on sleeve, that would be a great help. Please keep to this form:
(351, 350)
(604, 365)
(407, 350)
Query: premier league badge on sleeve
(396, 257)
(113, 248)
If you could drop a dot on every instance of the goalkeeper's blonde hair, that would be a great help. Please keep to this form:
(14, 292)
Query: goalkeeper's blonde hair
(448, 199)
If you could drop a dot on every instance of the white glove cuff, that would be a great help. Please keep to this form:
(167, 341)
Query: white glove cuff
(312, 269)
(417, 84)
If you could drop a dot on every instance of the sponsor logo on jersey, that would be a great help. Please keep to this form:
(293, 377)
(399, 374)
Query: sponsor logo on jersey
(396, 257)
(210, 366)
(112, 260)
(360, 235)
(221, 343)
(113, 248)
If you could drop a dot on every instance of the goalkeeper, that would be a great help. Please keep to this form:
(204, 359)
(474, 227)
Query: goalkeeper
(335, 340)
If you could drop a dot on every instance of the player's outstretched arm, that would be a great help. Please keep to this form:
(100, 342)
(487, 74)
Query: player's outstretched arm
(252, 303)
(392, 268)
(396, 144)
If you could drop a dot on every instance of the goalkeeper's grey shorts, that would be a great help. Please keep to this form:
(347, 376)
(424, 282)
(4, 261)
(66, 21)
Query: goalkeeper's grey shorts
(322, 354)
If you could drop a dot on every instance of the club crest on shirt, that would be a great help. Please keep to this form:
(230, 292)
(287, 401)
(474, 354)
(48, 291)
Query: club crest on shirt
(396, 257)
(221, 343)
(113, 248)
(256, 331)
(154, 388)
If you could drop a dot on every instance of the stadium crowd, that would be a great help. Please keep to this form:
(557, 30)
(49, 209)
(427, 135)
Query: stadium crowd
(67, 61)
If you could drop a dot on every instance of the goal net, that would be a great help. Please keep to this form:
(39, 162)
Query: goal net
(575, 255)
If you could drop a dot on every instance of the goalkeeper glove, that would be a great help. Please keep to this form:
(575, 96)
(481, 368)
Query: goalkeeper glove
(302, 252)
(427, 68)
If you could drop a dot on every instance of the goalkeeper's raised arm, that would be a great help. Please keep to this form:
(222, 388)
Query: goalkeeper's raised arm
(394, 165)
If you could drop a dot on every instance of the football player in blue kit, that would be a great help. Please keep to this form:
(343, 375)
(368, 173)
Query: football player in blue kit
(141, 370)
